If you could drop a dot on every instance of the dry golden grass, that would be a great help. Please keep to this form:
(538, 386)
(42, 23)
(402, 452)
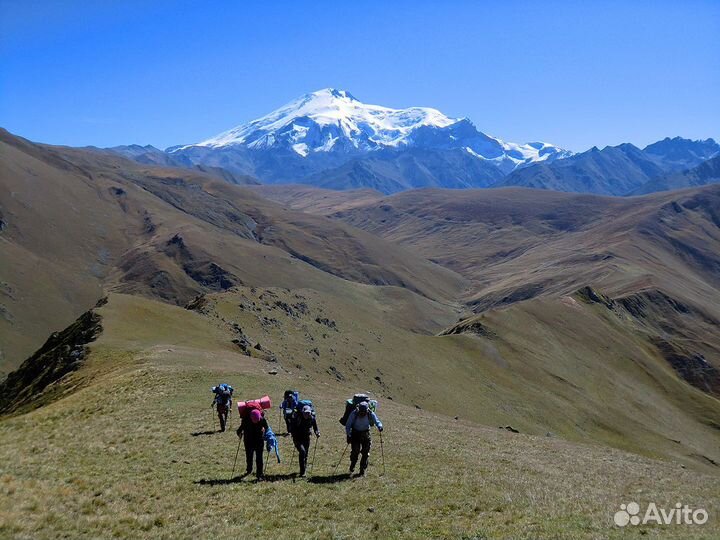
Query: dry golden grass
(77, 222)
(129, 457)
(316, 200)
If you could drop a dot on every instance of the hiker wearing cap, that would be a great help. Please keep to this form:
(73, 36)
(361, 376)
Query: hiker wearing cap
(303, 424)
(222, 401)
(357, 429)
(252, 428)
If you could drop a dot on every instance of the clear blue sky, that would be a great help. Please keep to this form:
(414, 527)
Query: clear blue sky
(576, 74)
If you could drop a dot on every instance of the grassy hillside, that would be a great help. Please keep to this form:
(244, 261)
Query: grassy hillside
(657, 255)
(77, 221)
(574, 372)
(520, 342)
(131, 452)
(515, 245)
(557, 375)
(315, 200)
(496, 236)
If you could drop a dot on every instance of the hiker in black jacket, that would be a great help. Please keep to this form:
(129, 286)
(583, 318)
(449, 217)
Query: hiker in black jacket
(300, 429)
(253, 428)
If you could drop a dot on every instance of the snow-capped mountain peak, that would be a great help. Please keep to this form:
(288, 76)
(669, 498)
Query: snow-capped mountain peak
(330, 118)
(335, 124)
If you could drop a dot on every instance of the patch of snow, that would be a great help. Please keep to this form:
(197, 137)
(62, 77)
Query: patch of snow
(473, 153)
(300, 148)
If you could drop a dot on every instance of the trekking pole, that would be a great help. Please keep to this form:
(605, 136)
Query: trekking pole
(382, 452)
(232, 475)
(267, 461)
(312, 463)
(341, 458)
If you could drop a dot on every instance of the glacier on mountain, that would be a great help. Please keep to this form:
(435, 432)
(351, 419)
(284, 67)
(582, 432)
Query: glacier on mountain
(333, 121)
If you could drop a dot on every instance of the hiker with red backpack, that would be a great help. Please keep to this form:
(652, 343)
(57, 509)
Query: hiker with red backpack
(252, 430)
(222, 401)
(301, 426)
(357, 429)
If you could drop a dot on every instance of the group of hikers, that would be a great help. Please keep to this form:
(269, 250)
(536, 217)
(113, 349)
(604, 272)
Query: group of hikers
(300, 423)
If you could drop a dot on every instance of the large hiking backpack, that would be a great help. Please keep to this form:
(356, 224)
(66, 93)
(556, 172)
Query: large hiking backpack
(244, 407)
(222, 387)
(302, 404)
(224, 398)
(291, 399)
(352, 403)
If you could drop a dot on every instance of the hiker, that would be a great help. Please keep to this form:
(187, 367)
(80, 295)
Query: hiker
(290, 401)
(253, 428)
(223, 401)
(357, 429)
(302, 424)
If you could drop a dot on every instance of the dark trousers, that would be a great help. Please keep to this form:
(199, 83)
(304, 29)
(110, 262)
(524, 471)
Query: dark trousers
(288, 422)
(255, 447)
(360, 443)
(222, 412)
(302, 443)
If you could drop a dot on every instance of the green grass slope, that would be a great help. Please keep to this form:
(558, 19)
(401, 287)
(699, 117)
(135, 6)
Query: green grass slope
(131, 452)
(564, 367)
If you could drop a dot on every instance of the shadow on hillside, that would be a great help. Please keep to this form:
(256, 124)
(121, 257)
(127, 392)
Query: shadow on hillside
(331, 479)
(279, 477)
(220, 481)
(200, 433)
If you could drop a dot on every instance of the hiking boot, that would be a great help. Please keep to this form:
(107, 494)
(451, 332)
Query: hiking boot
(362, 472)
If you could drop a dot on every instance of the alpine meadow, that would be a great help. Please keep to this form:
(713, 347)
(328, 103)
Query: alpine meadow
(358, 314)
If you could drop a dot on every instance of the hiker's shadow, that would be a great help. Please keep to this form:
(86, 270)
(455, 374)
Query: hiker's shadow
(201, 433)
(331, 479)
(220, 481)
(279, 477)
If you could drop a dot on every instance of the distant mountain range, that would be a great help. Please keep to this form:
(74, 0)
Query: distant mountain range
(618, 170)
(329, 138)
(332, 140)
(708, 172)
